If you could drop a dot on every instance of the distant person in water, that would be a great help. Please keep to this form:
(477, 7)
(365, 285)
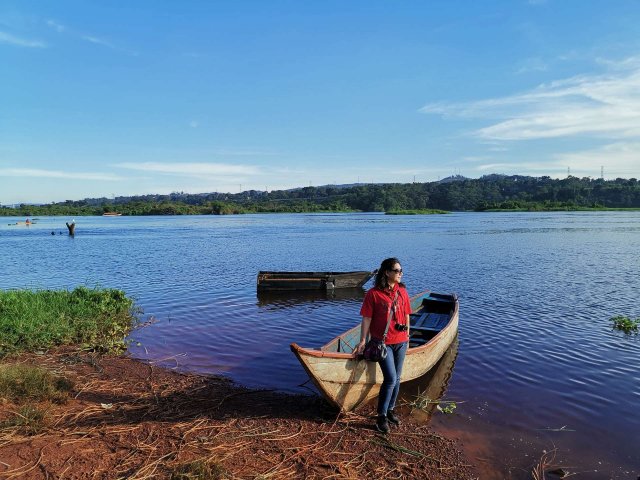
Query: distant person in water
(387, 302)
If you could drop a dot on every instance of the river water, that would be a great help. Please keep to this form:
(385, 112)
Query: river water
(538, 367)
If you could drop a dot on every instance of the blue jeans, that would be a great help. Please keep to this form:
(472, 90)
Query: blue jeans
(391, 370)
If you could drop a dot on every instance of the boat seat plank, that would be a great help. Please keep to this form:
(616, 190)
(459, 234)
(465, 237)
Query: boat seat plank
(417, 319)
(431, 322)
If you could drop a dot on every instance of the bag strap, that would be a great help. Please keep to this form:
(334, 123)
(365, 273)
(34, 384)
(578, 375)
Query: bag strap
(392, 310)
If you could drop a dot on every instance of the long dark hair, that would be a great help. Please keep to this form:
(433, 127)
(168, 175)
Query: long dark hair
(381, 277)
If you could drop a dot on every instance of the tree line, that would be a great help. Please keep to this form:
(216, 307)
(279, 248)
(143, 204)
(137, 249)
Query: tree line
(491, 192)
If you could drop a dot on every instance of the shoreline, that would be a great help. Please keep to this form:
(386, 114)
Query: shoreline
(127, 418)
(325, 212)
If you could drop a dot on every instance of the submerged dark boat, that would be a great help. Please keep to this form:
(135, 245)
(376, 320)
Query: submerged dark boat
(281, 281)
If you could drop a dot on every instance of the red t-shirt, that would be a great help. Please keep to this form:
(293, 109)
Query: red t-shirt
(376, 305)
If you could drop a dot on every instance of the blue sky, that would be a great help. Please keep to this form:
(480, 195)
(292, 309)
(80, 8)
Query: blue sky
(133, 97)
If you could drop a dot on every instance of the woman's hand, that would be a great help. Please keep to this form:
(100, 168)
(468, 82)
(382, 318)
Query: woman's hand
(364, 333)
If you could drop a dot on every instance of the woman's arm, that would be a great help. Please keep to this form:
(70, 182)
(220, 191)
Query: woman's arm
(364, 333)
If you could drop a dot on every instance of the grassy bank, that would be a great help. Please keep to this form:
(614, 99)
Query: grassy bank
(93, 319)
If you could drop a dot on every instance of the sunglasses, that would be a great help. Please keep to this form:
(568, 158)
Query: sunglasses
(396, 270)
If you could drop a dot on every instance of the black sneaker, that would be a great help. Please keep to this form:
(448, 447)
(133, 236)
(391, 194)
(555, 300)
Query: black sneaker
(381, 424)
(393, 418)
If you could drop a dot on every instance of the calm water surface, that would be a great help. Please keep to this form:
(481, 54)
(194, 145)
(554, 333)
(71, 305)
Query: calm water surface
(538, 366)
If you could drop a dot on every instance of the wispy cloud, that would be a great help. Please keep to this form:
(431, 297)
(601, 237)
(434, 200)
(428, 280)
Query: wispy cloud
(98, 41)
(58, 27)
(20, 42)
(192, 169)
(620, 159)
(36, 172)
(61, 28)
(525, 168)
(604, 105)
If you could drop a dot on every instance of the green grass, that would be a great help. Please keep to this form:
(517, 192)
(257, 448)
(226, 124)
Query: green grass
(200, 470)
(625, 324)
(93, 319)
(426, 211)
(20, 382)
(29, 419)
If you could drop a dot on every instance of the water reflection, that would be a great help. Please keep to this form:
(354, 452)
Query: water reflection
(433, 385)
(281, 300)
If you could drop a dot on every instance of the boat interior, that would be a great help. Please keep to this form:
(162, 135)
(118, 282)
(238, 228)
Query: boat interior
(428, 320)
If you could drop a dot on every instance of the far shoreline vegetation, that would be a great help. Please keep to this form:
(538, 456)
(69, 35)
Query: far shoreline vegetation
(425, 211)
(491, 193)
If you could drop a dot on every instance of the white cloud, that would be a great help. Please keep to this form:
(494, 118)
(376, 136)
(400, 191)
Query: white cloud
(607, 106)
(193, 124)
(60, 28)
(35, 172)
(620, 159)
(524, 168)
(20, 42)
(98, 41)
(56, 26)
(192, 169)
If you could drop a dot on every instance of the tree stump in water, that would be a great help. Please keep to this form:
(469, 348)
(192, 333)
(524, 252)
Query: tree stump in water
(72, 228)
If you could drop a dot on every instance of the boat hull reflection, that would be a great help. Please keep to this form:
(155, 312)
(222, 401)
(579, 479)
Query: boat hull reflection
(278, 300)
(433, 385)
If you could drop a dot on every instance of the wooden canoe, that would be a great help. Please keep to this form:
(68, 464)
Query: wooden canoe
(348, 382)
(274, 281)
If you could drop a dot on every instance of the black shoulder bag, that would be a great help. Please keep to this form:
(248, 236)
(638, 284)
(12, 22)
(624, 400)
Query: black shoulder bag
(375, 350)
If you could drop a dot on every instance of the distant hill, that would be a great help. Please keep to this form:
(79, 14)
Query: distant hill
(455, 193)
(453, 178)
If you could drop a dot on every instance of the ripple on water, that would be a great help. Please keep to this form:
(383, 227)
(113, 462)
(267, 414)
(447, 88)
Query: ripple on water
(537, 291)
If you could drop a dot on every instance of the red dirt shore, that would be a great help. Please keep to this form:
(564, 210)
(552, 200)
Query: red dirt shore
(128, 419)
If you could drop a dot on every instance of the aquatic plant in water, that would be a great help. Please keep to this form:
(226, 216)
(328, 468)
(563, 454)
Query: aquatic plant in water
(625, 324)
(422, 402)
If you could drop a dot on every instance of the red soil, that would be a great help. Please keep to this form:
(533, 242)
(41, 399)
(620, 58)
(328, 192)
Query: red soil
(127, 419)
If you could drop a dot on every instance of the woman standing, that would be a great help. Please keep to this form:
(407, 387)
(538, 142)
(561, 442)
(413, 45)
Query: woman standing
(387, 302)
